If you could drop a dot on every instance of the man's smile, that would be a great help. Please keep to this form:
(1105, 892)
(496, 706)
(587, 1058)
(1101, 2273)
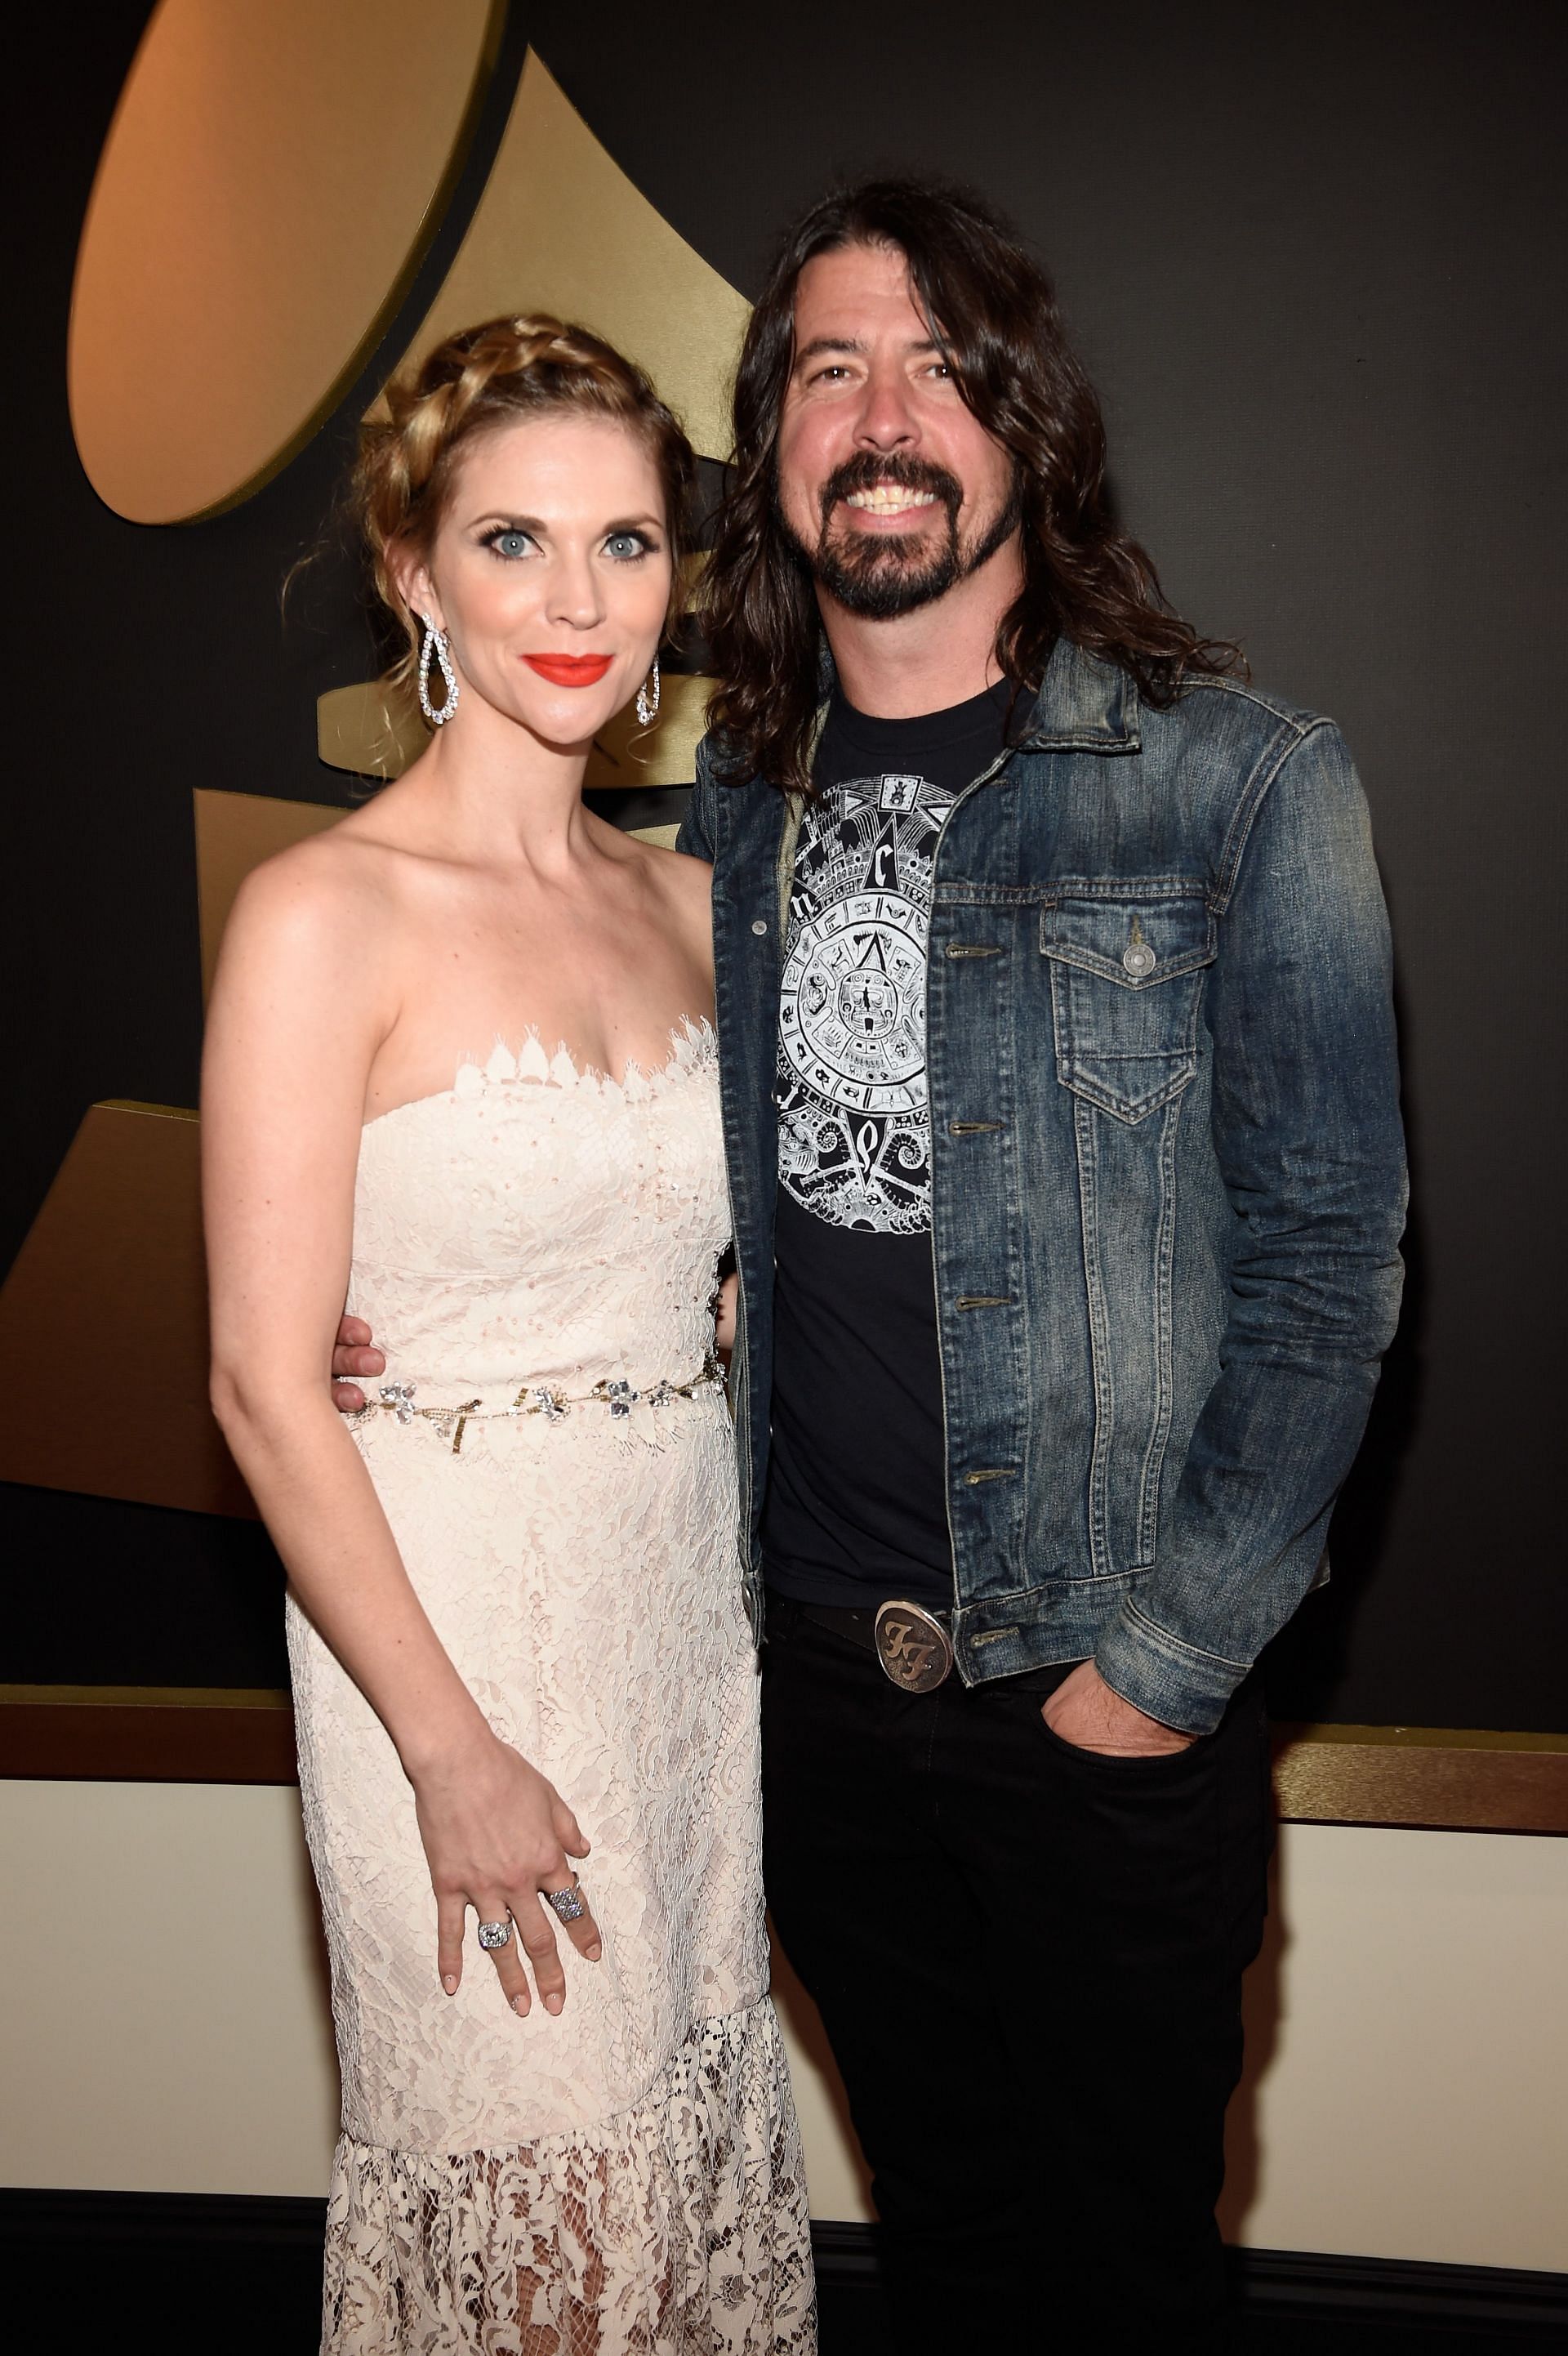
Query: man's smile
(889, 499)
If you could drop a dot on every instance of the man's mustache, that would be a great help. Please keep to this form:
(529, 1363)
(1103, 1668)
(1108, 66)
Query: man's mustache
(866, 470)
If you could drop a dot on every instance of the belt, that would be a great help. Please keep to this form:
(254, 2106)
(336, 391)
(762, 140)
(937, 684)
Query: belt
(622, 1399)
(913, 1644)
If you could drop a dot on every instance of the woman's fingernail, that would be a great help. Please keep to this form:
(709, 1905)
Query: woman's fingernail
(449, 1984)
(553, 2003)
(593, 1953)
(520, 2007)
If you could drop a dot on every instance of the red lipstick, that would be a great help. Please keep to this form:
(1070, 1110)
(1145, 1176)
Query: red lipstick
(569, 671)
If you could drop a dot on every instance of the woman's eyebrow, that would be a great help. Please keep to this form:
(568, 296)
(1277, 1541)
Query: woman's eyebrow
(512, 522)
(537, 525)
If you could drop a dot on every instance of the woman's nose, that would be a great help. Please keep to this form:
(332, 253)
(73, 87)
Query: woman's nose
(575, 596)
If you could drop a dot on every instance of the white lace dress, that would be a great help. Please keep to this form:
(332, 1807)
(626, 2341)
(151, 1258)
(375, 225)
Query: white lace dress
(627, 2176)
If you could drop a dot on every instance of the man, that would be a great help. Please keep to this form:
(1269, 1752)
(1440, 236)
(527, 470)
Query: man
(1061, 1105)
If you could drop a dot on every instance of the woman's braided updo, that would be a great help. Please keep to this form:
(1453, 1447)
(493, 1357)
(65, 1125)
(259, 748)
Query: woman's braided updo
(477, 382)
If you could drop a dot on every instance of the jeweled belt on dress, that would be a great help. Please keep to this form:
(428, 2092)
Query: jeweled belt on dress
(537, 1398)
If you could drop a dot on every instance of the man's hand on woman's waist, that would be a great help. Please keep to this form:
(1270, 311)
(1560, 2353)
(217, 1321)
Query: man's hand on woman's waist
(355, 1355)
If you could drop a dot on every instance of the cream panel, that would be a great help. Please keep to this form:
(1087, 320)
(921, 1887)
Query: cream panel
(1403, 2099)
(1409, 2052)
(177, 2037)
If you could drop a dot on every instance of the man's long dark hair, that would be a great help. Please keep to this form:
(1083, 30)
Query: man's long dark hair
(992, 310)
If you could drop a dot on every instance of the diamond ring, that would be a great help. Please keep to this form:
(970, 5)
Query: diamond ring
(567, 1905)
(495, 1934)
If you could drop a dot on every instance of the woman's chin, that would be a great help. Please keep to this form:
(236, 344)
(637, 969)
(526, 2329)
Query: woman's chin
(567, 721)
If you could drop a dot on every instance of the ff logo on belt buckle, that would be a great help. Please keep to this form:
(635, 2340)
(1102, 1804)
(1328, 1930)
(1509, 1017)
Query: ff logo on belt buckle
(912, 1647)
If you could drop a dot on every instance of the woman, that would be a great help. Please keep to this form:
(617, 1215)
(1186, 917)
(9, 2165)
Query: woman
(515, 1629)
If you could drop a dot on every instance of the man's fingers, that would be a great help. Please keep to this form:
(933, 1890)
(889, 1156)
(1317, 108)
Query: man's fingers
(348, 1361)
(449, 1919)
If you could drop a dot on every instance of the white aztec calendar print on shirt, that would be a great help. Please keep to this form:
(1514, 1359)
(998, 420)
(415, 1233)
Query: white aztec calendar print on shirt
(854, 1121)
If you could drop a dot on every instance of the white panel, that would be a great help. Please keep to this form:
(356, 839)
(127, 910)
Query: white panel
(1409, 2052)
(1408, 2040)
(162, 1991)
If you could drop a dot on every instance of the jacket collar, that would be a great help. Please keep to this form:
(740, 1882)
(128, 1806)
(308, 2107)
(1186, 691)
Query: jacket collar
(1084, 705)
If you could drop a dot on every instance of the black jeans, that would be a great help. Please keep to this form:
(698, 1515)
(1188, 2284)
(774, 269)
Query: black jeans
(1028, 1960)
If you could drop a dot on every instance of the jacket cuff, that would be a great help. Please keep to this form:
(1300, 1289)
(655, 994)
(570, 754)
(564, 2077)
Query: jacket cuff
(1167, 1679)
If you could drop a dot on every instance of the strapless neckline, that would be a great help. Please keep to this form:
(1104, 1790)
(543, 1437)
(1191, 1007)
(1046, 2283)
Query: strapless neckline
(693, 1046)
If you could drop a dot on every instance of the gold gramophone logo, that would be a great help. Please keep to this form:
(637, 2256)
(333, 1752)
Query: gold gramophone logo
(269, 187)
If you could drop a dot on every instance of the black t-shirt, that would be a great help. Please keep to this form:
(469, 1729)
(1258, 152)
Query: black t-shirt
(855, 1508)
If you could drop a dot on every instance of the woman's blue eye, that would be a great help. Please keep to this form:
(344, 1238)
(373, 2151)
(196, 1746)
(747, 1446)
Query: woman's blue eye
(624, 544)
(511, 543)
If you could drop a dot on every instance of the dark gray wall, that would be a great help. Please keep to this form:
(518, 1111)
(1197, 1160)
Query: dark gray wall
(1315, 260)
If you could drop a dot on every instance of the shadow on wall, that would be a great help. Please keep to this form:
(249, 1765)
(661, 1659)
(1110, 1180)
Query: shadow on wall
(321, 1960)
(1261, 1992)
(841, 2182)
(1310, 1667)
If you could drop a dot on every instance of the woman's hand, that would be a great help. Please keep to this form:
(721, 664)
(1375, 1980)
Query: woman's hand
(496, 1835)
(724, 1315)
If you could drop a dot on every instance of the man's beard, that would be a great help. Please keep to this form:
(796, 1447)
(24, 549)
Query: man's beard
(879, 576)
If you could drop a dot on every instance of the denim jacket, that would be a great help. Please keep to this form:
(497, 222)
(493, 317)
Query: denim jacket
(1167, 1177)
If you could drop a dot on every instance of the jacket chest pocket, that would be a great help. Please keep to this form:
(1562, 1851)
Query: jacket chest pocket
(1126, 983)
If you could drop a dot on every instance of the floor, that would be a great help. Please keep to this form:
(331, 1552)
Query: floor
(187, 2300)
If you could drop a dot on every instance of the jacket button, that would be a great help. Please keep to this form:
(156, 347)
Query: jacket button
(1139, 959)
(759, 925)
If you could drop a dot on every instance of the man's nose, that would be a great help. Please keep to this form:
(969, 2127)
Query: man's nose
(886, 420)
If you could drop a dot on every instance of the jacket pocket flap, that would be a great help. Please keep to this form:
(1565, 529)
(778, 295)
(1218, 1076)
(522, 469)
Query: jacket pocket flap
(1136, 942)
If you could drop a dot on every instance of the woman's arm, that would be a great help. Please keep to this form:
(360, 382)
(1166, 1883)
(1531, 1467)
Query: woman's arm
(283, 1094)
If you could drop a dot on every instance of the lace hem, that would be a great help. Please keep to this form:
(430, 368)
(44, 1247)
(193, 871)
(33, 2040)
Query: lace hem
(677, 2229)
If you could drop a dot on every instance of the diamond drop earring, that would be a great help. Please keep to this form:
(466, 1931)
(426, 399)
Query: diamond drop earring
(435, 644)
(648, 697)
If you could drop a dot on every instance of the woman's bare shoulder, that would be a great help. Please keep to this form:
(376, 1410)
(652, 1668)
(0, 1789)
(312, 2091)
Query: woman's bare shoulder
(329, 896)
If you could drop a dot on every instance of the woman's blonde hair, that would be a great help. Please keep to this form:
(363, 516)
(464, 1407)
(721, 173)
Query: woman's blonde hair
(475, 382)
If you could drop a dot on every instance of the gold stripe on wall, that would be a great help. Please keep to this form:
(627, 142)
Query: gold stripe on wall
(146, 1734)
(1454, 1778)
(1426, 1778)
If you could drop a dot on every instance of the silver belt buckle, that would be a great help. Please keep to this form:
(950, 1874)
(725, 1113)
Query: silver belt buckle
(913, 1647)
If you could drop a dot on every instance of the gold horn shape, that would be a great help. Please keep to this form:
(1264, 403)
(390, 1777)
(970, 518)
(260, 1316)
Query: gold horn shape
(271, 181)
